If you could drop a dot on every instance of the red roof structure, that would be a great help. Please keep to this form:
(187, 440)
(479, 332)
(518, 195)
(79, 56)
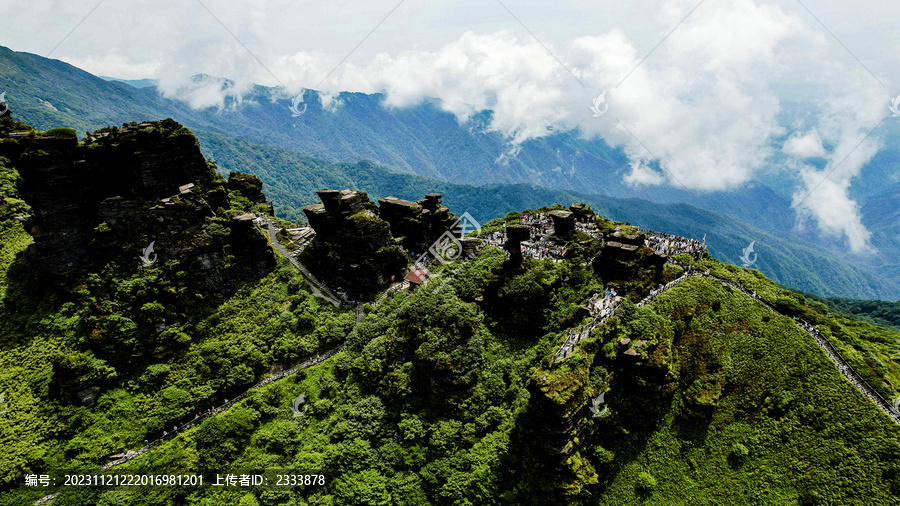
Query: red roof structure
(416, 276)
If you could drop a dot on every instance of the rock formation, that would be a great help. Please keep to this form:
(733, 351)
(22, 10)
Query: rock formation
(106, 198)
(470, 246)
(626, 237)
(250, 188)
(416, 225)
(583, 213)
(624, 255)
(354, 250)
(563, 224)
(515, 234)
(359, 246)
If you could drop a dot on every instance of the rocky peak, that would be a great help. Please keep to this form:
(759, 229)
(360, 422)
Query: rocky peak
(416, 225)
(249, 187)
(353, 248)
(120, 186)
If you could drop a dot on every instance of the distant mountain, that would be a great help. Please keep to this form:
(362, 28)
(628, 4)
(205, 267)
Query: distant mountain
(292, 178)
(137, 83)
(422, 139)
(426, 141)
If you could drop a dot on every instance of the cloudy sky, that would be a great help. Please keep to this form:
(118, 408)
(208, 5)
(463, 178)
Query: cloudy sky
(697, 86)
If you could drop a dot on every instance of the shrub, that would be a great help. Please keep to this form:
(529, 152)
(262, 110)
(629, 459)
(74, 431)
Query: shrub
(739, 451)
(181, 131)
(67, 133)
(645, 482)
(155, 375)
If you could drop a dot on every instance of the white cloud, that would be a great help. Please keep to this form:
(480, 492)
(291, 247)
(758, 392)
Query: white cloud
(641, 174)
(204, 91)
(704, 104)
(116, 65)
(518, 81)
(701, 103)
(331, 102)
(848, 117)
(804, 145)
(836, 214)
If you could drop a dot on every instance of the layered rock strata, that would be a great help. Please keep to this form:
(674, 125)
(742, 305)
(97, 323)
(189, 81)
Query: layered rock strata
(95, 200)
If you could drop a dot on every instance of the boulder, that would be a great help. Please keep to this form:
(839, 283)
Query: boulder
(515, 235)
(563, 224)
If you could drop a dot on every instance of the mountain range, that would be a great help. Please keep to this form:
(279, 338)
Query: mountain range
(363, 144)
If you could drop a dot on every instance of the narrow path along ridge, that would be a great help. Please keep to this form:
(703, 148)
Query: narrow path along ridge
(844, 367)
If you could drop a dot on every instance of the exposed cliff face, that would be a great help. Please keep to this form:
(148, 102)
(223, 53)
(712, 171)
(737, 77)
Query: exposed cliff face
(623, 257)
(108, 197)
(358, 244)
(416, 224)
(353, 249)
(564, 425)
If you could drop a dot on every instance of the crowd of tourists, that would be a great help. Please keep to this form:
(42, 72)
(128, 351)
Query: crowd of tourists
(670, 244)
(603, 304)
(539, 246)
(495, 239)
(543, 248)
(590, 229)
(540, 221)
(601, 307)
(688, 271)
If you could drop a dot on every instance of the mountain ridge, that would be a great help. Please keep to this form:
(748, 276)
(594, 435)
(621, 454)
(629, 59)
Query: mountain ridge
(447, 393)
(100, 103)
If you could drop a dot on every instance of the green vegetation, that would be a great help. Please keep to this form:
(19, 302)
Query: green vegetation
(61, 132)
(877, 312)
(751, 412)
(870, 349)
(444, 395)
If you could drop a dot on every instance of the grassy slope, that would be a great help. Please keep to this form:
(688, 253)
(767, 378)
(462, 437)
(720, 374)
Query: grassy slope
(827, 444)
(870, 349)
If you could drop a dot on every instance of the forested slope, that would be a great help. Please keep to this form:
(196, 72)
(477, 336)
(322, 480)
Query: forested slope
(444, 395)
